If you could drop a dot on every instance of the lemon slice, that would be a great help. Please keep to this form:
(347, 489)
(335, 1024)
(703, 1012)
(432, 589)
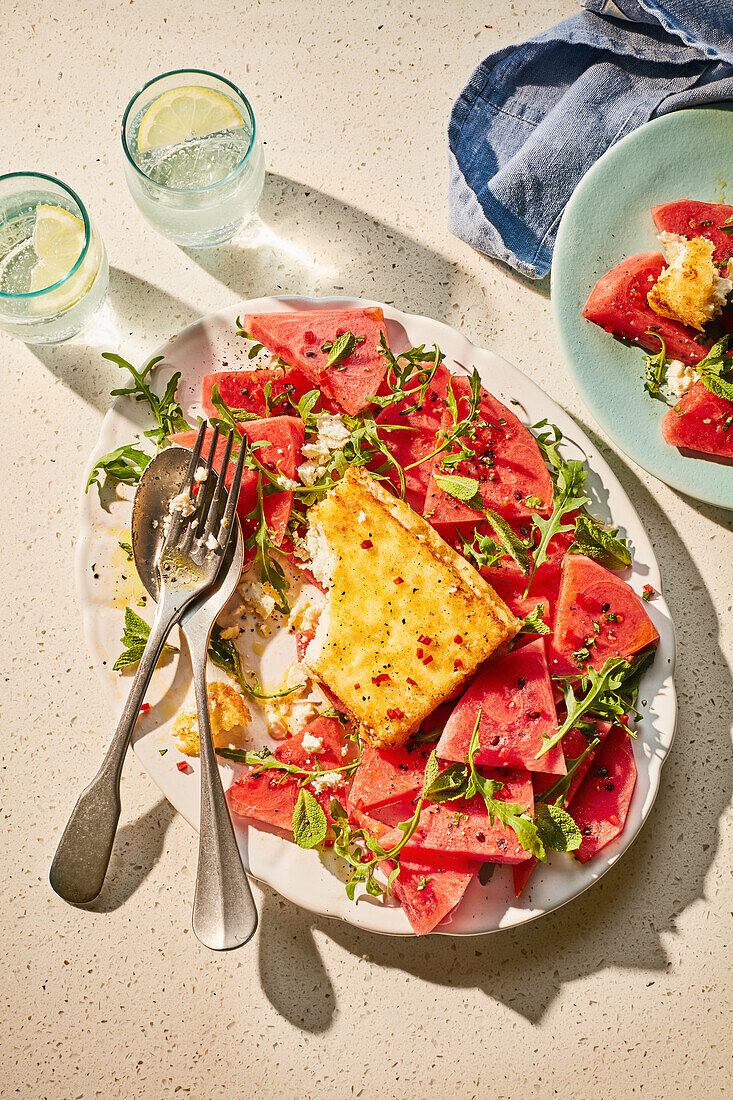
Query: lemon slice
(58, 239)
(185, 113)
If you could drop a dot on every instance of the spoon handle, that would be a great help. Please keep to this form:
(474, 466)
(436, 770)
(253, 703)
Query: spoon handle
(224, 911)
(83, 853)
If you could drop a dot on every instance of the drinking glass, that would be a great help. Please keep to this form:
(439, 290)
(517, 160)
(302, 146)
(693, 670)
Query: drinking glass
(193, 156)
(53, 265)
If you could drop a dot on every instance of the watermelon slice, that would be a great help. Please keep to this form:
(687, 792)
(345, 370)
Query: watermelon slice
(602, 802)
(690, 218)
(597, 613)
(388, 775)
(701, 421)
(285, 434)
(299, 337)
(245, 389)
(618, 303)
(428, 891)
(514, 697)
(574, 744)
(459, 828)
(508, 465)
(270, 797)
(421, 440)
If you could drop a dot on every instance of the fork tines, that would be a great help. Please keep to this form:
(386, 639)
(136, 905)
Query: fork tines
(213, 511)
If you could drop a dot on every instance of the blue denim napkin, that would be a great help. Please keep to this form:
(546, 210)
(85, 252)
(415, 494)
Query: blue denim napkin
(534, 118)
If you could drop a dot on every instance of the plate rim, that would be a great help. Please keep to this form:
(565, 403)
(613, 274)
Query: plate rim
(563, 249)
(597, 463)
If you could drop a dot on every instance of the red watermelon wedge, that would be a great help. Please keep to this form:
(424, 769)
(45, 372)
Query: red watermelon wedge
(701, 421)
(598, 612)
(388, 775)
(458, 828)
(574, 744)
(618, 303)
(602, 802)
(285, 434)
(428, 891)
(514, 696)
(508, 465)
(690, 218)
(298, 338)
(415, 444)
(245, 390)
(270, 797)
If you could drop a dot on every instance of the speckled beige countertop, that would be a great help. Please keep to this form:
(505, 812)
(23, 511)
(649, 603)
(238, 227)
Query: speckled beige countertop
(623, 993)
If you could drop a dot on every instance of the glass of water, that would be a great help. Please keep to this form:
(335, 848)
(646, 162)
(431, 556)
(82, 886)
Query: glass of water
(53, 265)
(193, 156)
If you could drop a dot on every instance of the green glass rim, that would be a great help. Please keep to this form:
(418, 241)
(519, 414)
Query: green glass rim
(193, 72)
(87, 233)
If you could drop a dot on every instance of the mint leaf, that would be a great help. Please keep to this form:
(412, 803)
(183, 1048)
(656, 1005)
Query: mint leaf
(341, 348)
(556, 828)
(513, 545)
(603, 546)
(534, 623)
(718, 386)
(135, 635)
(309, 821)
(465, 489)
(448, 785)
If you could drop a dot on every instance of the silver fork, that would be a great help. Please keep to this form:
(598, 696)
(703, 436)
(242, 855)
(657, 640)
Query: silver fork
(187, 569)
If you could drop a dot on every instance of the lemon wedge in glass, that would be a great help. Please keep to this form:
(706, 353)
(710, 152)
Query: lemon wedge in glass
(182, 113)
(58, 240)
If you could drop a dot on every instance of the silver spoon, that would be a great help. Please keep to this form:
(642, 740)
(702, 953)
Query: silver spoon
(224, 912)
(188, 567)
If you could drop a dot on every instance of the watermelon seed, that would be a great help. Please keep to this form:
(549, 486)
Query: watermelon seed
(587, 831)
(610, 786)
(602, 772)
(521, 682)
(606, 607)
(495, 740)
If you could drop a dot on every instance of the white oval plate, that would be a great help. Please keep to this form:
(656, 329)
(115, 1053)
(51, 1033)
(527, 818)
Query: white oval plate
(309, 878)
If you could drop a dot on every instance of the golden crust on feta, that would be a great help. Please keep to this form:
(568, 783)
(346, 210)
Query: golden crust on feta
(407, 619)
(690, 290)
(229, 717)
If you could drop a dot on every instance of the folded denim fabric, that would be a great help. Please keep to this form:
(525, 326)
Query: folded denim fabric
(534, 118)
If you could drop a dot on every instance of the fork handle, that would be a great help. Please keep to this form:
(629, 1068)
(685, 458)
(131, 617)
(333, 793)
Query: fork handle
(84, 851)
(224, 911)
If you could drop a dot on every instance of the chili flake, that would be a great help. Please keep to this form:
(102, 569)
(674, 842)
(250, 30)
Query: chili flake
(427, 660)
(367, 544)
(398, 580)
(647, 592)
(381, 679)
(458, 663)
(394, 713)
(458, 639)
(424, 640)
(182, 765)
(145, 708)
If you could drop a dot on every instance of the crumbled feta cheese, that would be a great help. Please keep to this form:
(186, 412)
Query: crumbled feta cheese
(312, 744)
(680, 377)
(304, 615)
(212, 543)
(326, 781)
(182, 503)
(331, 436)
(255, 597)
(361, 518)
(298, 715)
(300, 550)
(201, 474)
(287, 482)
(322, 557)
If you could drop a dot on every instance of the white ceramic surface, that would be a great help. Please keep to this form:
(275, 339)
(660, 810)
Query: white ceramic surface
(310, 879)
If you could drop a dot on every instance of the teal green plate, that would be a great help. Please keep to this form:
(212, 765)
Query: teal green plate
(687, 155)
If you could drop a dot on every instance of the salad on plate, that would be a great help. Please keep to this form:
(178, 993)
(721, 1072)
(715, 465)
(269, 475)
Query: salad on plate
(457, 654)
(675, 304)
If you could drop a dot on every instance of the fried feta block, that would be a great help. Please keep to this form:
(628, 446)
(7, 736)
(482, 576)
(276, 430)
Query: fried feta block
(407, 620)
(229, 717)
(690, 290)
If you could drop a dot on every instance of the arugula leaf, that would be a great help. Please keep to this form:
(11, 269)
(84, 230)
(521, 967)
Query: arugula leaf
(603, 546)
(727, 227)
(602, 697)
(656, 366)
(515, 547)
(135, 635)
(124, 464)
(463, 427)
(568, 497)
(309, 821)
(166, 410)
(224, 654)
(556, 828)
(229, 418)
